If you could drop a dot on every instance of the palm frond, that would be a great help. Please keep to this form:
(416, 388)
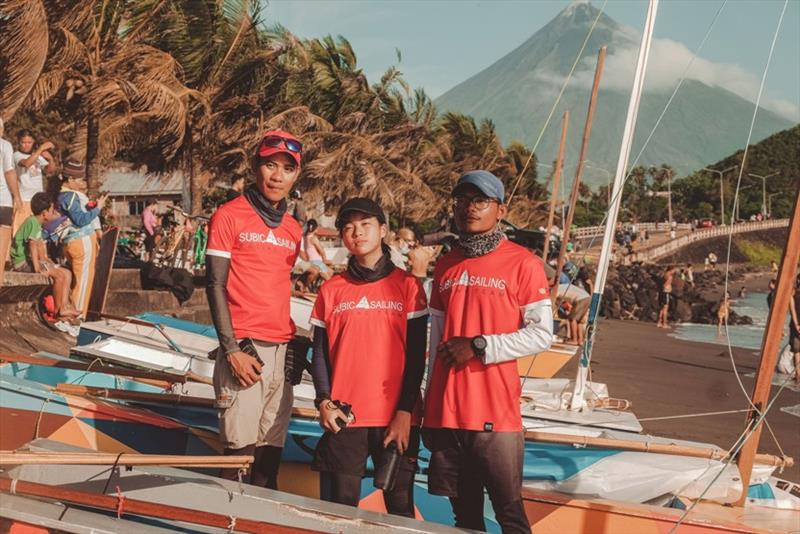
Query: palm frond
(23, 51)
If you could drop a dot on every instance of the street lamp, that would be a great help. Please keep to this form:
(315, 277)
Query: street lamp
(721, 191)
(763, 189)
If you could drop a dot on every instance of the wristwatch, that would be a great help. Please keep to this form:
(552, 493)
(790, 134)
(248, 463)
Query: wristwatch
(479, 346)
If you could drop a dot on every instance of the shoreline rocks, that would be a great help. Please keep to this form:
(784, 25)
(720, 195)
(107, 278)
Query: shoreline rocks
(632, 293)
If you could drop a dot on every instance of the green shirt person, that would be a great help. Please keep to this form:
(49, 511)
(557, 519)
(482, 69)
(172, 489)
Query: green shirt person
(30, 230)
(29, 254)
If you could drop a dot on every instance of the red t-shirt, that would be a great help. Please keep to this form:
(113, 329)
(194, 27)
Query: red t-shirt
(367, 326)
(259, 286)
(481, 296)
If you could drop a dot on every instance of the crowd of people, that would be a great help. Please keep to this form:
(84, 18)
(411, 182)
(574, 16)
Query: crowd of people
(48, 224)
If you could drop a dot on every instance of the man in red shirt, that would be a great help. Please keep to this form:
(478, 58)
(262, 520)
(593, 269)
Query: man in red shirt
(370, 324)
(252, 246)
(490, 305)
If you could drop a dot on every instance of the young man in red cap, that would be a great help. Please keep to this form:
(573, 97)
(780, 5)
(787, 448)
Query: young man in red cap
(370, 326)
(490, 304)
(253, 244)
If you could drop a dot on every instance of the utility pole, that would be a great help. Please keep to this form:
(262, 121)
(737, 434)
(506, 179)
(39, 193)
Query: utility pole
(722, 192)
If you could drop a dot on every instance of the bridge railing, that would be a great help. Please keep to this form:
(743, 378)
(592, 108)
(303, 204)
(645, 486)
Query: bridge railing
(595, 231)
(700, 235)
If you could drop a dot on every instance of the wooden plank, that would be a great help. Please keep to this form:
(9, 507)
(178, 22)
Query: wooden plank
(99, 458)
(128, 506)
(104, 264)
(136, 396)
(646, 446)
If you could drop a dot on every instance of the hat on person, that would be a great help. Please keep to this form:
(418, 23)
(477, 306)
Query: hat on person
(489, 184)
(360, 204)
(278, 141)
(73, 169)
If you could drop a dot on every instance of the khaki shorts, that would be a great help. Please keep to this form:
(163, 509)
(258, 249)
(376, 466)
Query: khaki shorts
(258, 415)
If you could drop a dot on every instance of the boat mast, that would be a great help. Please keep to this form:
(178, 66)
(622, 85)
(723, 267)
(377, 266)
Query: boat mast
(770, 347)
(556, 180)
(573, 199)
(578, 401)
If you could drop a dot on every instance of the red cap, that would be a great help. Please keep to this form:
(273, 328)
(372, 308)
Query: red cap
(265, 150)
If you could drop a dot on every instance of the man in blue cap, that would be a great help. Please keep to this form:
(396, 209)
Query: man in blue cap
(490, 304)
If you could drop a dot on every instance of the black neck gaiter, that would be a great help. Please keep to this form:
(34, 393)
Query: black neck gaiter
(382, 269)
(474, 245)
(271, 216)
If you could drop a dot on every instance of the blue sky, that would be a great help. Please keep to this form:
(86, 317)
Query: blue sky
(443, 42)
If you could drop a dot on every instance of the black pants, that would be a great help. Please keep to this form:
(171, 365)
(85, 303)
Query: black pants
(464, 462)
(341, 459)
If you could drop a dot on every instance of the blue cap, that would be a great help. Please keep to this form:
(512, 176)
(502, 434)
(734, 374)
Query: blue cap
(489, 184)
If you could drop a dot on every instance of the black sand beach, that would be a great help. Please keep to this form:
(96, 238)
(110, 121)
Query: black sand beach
(663, 376)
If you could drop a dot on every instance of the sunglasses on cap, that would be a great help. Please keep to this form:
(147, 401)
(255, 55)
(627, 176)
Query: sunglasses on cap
(275, 141)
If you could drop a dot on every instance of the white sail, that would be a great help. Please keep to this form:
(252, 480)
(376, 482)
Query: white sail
(578, 401)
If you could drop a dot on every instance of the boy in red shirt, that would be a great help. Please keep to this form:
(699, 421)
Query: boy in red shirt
(490, 305)
(370, 325)
(252, 246)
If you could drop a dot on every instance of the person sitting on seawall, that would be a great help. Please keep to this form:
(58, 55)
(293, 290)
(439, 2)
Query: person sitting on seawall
(370, 326)
(29, 254)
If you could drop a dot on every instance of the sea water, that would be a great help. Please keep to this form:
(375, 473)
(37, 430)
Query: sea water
(754, 305)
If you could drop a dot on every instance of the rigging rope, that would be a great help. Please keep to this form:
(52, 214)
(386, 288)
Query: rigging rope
(761, 415)
(589, 339)
(555, 104)
(663, 112)
(733, 451)
(736, 201)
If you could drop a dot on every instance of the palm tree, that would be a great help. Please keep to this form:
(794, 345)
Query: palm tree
(23, 50)
(119, 91)
(236, 67)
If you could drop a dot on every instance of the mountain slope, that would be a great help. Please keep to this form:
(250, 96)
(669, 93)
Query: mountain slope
(702, 125)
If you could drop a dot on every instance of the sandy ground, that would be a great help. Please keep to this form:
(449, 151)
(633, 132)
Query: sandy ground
(663, 376)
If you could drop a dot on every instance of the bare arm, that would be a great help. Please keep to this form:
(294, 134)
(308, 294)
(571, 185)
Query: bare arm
(13, 187)
(41, 151)
(51, 167)
(36, 255)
